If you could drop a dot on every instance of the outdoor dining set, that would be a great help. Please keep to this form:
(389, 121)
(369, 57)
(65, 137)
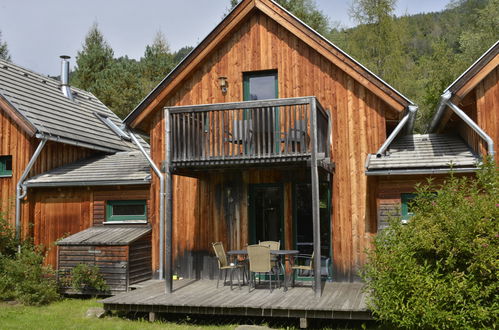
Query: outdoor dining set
(262, 261)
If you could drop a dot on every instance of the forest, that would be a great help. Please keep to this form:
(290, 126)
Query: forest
(419, 55)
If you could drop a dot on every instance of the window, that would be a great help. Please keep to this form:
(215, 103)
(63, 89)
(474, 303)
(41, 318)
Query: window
(260, 85)
(5, 165)
(126, 210)
(407, 206)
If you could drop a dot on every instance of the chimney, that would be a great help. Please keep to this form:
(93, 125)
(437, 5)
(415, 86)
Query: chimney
(66, 90)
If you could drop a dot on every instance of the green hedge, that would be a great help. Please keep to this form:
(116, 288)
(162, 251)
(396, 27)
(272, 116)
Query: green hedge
(441, 269)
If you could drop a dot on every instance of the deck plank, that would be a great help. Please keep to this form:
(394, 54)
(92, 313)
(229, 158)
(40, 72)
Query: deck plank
(339, 300)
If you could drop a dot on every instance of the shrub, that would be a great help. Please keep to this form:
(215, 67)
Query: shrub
(87, 278)
(8, 242)
(440, 270)
(24, 278)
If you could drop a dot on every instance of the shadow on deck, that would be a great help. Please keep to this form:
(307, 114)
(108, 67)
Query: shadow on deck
(345, 301)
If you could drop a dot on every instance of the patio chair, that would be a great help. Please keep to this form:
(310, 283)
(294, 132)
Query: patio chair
(296, 137)
(259, 262)
(224, 266)
(274, 260)
(242, 132)
(301, 268)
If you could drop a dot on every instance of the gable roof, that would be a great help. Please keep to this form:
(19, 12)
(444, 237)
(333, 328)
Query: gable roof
(465, 83)
(424, 154)
(122, 168)
(295, 26)
(36, 103)
(476, 72)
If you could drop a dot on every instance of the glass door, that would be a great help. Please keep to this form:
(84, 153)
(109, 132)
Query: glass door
(266, 213)
(262, 85)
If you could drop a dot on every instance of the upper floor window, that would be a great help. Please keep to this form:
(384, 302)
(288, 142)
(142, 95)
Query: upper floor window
(6, 165)
(126, 210)
(260, 85)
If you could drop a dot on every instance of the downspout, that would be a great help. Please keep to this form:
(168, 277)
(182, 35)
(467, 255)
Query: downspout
(445, 101)
(22, 190)
(408, 120)
(161, 201)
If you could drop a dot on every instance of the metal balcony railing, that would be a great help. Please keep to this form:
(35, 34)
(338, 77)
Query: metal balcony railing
(278, 130)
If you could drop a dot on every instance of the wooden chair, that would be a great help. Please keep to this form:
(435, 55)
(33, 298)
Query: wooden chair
(224, 266)
(259, 262)
(302, 268)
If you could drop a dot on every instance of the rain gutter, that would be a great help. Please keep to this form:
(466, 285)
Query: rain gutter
(21, 189)
(161, 202)
(408, 120)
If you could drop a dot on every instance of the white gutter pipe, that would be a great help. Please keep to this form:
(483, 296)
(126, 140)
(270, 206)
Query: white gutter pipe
(21, 189)
(161, 202)
(408, 119)
(445, 101)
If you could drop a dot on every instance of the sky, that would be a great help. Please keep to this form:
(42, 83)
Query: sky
(38, 32)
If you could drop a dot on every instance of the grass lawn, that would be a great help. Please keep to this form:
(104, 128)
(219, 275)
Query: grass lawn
(70, 314)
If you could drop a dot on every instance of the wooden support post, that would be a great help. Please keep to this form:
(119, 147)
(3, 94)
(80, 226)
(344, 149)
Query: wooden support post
(152, 317)
(168, 207)
(315, 199)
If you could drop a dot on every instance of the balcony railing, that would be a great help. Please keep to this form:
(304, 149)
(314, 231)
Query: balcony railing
(265, 131)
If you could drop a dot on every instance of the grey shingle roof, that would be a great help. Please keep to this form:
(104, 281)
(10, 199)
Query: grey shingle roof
(122, 168)
(107, 235)
(424, 153)
(39, 99)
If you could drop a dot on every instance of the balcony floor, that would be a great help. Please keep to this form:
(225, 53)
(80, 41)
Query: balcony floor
(338, 300)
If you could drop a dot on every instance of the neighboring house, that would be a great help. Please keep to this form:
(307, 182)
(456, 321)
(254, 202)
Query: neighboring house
(464, 129)
(81, 160)
(244, 168)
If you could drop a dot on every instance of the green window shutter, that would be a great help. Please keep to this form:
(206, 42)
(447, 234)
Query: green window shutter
(5, 165)
(406, 200)
(126, 210)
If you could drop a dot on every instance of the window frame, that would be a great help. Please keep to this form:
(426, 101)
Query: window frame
(110, 218)
(4, 172)
(405, 199)
(253, 74)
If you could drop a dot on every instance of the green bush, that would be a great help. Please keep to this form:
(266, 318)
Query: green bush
(86, 278)
(24, 278)
(8, 242)
(441, 269)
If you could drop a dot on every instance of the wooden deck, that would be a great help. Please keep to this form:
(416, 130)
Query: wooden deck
(338, 300)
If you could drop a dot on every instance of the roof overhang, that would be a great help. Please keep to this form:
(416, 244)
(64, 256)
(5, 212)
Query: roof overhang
(295, 26)
(86, 183)
(16, 116)
(420, 171)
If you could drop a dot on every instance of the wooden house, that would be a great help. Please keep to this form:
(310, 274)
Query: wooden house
(265, 127)
(464, 130)
(64, 159)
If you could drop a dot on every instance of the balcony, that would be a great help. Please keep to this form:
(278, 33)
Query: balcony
(267, 132)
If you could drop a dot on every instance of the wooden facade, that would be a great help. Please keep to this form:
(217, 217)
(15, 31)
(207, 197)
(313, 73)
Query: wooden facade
(265, 38)
(60, 212)
(476, 92)
(18, 143)
(480, 105)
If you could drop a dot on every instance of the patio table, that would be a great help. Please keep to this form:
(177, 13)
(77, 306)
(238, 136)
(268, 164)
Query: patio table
(278, 253)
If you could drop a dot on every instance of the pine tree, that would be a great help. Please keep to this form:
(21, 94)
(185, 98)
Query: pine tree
(157, 62)
(92, 61)
(4, 51)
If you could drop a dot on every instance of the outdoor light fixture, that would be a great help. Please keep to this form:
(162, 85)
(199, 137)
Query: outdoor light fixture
(222, 82)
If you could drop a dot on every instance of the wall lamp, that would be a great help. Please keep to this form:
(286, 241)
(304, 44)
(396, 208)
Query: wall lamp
(223, 83)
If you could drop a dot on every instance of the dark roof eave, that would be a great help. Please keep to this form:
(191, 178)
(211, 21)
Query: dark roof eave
(87, 183)
(420, 171)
